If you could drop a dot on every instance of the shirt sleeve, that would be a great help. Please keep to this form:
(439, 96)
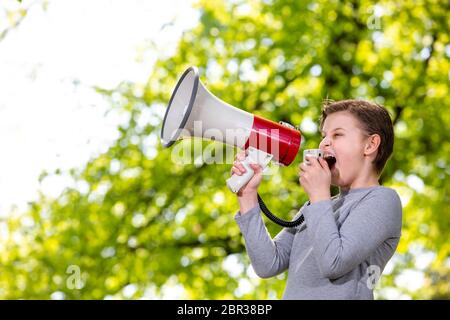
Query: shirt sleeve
(269, 257)
(372, 221)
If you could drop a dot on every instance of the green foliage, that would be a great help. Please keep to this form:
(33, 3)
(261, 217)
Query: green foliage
(137, 218)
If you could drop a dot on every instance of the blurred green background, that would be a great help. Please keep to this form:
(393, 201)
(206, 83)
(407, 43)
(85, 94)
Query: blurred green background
(145, 226)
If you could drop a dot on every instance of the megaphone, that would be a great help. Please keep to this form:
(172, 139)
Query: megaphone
(264, 140)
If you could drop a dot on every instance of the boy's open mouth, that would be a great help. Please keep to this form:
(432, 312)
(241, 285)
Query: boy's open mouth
(330, 160)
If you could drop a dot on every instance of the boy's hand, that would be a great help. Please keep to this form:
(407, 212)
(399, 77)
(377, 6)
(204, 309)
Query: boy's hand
(252, 185)
(316, 179)
(247, 196)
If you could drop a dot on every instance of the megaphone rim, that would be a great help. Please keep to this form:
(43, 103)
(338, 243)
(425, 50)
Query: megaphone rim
(188, 110)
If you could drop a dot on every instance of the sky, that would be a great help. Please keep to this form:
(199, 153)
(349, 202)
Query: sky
(50, 117)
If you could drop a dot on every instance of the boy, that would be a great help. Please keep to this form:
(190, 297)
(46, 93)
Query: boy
(345, 241)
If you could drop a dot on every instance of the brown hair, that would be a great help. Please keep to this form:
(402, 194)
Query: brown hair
(374, 119)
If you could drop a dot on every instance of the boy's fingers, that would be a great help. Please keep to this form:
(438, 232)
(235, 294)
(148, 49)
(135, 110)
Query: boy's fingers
(303, 166)
(309, 160)
(235, 170)
(239, 165)
(241, 156)
(256, 167)
(323, 163)
(313, 161)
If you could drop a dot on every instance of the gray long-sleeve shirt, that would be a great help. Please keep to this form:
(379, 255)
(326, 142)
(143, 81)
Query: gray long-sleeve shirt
(337, 253)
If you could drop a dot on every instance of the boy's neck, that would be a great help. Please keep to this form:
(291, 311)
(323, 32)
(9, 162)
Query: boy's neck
(361, 182)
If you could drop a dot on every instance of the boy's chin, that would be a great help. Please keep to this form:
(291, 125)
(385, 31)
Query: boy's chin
(334, 177)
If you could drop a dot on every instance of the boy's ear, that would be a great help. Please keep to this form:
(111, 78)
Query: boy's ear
(372, 144)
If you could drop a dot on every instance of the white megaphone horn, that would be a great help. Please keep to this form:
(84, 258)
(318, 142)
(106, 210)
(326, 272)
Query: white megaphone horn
(265, 140)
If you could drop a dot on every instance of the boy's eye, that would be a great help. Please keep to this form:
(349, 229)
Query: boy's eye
(334, 135)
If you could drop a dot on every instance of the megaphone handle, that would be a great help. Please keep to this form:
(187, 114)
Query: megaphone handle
(235, 183)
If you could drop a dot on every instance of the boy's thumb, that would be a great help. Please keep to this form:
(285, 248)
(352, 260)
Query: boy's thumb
(323, 162)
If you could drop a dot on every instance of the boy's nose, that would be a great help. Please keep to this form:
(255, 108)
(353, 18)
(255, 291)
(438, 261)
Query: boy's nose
(324, 143)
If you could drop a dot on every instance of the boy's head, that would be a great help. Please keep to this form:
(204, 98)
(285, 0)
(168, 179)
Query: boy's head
(360, 135)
